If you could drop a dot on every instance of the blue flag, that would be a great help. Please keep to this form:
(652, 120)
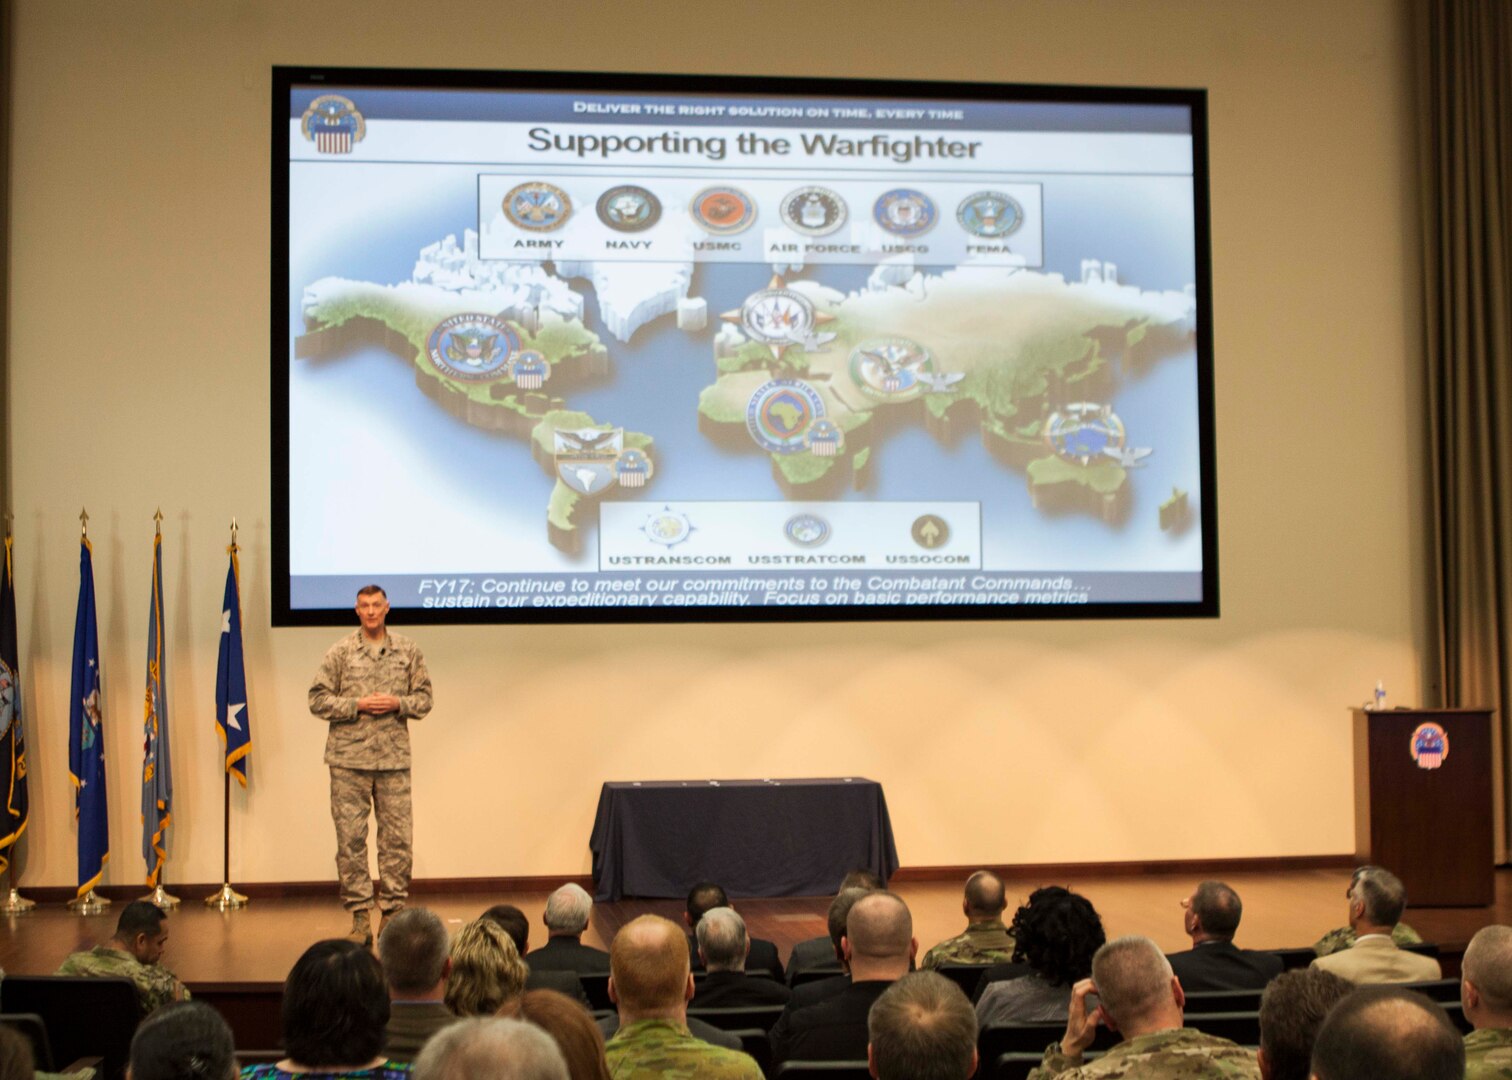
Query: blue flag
(86, 735)
(231, 718)
(157, 770)
(14, 814)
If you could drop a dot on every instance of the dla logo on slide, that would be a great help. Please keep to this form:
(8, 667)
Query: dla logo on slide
(1430, 745)
(333, 124)
(585, 459)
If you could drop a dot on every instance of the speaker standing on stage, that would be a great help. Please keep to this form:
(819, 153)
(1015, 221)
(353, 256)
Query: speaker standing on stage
(370, 685)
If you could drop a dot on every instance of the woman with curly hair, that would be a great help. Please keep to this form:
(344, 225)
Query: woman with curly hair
(1055, 933)
(486, 970)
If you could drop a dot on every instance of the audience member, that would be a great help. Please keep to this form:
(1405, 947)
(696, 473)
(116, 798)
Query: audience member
(517, 926)
(812, 993)
(1486, 993)
(486, 970)
(335, 1007)
(1142, 1000)
(922, 1028)
(1291, 1011)
(651, 984)
(491, 1049)
(1387, 1033)
(1055, 934)
(187, 1040)
(985, 940)
(820, 952)
(1376, 902)
(567, 912)
(704, 898)
(723, 947)
(878, 947)
(16, 1059)
(569, 1024)
(133, 953)
(1211, 918)
(412, 948)
(1342, 938)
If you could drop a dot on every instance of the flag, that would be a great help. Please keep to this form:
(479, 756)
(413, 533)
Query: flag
(157, 770)
(231, 718)
(12, 741)
(86, 735)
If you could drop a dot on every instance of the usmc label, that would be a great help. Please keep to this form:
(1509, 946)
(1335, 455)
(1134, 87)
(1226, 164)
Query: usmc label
(723, 211)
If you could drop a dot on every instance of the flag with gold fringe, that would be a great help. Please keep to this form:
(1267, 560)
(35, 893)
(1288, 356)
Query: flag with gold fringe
(16, 812)
(231, 718)
(157, 769)
(86, 734)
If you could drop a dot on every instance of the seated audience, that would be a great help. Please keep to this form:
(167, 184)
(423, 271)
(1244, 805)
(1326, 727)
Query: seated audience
(517, 926)
(566, 917)
(491, 1049)
(1055, 934)
(723, 946)
(183, 1041)
(335, 1007)
(133, 952)
(704, 898)
(878, 947)
(1141, 999)
(1486, 993)
(1291, 1011)
(922, 1028)
(569, 1025)
(820, 952)
(1211, 918)
(486, 970)
(985, 940)
(412, 948)
(811, 993)
(1387, 1033)
(1376, 902)
(1342, 938)
(651, 984)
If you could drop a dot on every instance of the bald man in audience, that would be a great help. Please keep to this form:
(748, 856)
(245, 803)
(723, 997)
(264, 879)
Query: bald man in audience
(1210, 917)
(1486, 993)
(1387, 1033)
(651, 984)
(823, 951)
(922, 1028)
(1377, 899)
(878, 947)
(723, 947)
(1142, 1000)
(985, 940)
(817, 990)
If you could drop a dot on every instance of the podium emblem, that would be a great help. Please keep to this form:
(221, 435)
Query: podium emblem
(1430, 745)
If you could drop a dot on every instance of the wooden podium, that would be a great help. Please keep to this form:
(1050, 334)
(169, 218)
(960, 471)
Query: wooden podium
(1429, 826)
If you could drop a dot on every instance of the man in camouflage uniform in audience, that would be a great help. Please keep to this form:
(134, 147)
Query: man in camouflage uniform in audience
(1486, 992)
(651, 983)
(986, 940)
(370, 685)
(1344, 937)
(1139, 997)
(133, 953)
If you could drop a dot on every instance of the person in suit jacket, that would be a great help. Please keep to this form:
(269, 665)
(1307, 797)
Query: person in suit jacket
(566, 918)
(704, 898)
(517, 926)
(1376, 902)
(1210, 918)
(812, 993)
(412, 949)
(723, 946)
(822, 951)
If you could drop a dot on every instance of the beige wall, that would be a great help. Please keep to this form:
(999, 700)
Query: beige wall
(139, 341)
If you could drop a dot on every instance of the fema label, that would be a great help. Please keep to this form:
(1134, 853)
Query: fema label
(779, 415)
(1430, 745)
(990, 214)
(537, 206)
(813, 211)
(472, 348)
(629, 208)
(905, 212)
(723, 211)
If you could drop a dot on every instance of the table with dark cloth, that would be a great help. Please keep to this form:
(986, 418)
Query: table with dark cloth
(754, 837)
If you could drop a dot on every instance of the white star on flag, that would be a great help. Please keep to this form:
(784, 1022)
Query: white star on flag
(226, 621)
(231, 711)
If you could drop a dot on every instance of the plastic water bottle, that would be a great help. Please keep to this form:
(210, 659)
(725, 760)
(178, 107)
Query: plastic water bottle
(1379, 705)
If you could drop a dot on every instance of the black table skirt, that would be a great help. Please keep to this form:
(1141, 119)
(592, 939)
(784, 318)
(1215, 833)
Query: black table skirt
(754, 837)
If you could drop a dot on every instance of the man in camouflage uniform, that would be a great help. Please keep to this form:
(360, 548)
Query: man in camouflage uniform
(1387, 1033)
(1342, 938)
(133, 953)
(1486, 991)
(1141, 999)
(651, 984)
(370, 685)
(986, 940)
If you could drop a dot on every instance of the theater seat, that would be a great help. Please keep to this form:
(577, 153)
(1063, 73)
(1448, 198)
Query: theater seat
(85, 1016)
(822, 1070)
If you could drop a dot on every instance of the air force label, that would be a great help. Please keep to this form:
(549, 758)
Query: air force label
(472, 347)
(779, 414)
(813, 211)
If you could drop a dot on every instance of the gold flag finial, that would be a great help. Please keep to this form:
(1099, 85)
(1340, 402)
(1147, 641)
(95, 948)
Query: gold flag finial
(83, 522)
(233, 530)
(10, 520)
(158, 520)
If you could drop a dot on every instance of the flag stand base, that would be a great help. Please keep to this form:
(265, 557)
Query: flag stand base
(91, 903)
(159, 897)
(16, 904)
(226, 899)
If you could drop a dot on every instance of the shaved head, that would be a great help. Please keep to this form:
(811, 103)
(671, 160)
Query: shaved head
(1133, 979)
(648, 961)
(1387, 1033)
(879, 927)
(985, 895)
(1488, 966)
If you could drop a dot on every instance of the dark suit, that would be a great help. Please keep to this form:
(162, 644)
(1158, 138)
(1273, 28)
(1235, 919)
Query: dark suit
(762, 957)
(813, 953)
(1219, 965)
(563, 953)
(736, 989)
(563, 982)
(702, 1031)
(833, 1030)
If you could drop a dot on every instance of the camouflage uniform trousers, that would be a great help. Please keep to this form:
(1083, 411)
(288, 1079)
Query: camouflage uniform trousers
(386, 793)
(1177, 1054)
(1488, 1054)
(664, 1050)
(156, 986)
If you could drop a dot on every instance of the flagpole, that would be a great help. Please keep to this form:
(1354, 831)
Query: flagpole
(91, 903)
(160, 896)
(226, 898)
(15, 903)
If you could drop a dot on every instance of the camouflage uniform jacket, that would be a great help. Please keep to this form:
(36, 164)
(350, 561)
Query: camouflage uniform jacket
(155, 984)
(661, 1048)
(351, 670)
(986, 942)
(1166, 1055)
(1488, 1054)
(1342, 938)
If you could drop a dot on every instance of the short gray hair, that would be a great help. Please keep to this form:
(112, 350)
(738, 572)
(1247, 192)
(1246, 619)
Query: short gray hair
(1382, 893)
(1133, 978)
(722, 939)
(567, 909)
(922, 1028)
(491, 1048)
(412, 949)
(1488, 966)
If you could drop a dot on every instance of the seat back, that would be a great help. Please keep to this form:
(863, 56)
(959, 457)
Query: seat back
(754, 1041)
(1437, 990)
(814, 974)
(1292, 959)
(85, 1016)
(996, 1040)
(32, 1026)
(1211, 1001)
(822, 1070)
(739, 1017)
(1423, 948)
(1240, 1027)
(596, 989)
(1018, 1066)
(966, 976)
